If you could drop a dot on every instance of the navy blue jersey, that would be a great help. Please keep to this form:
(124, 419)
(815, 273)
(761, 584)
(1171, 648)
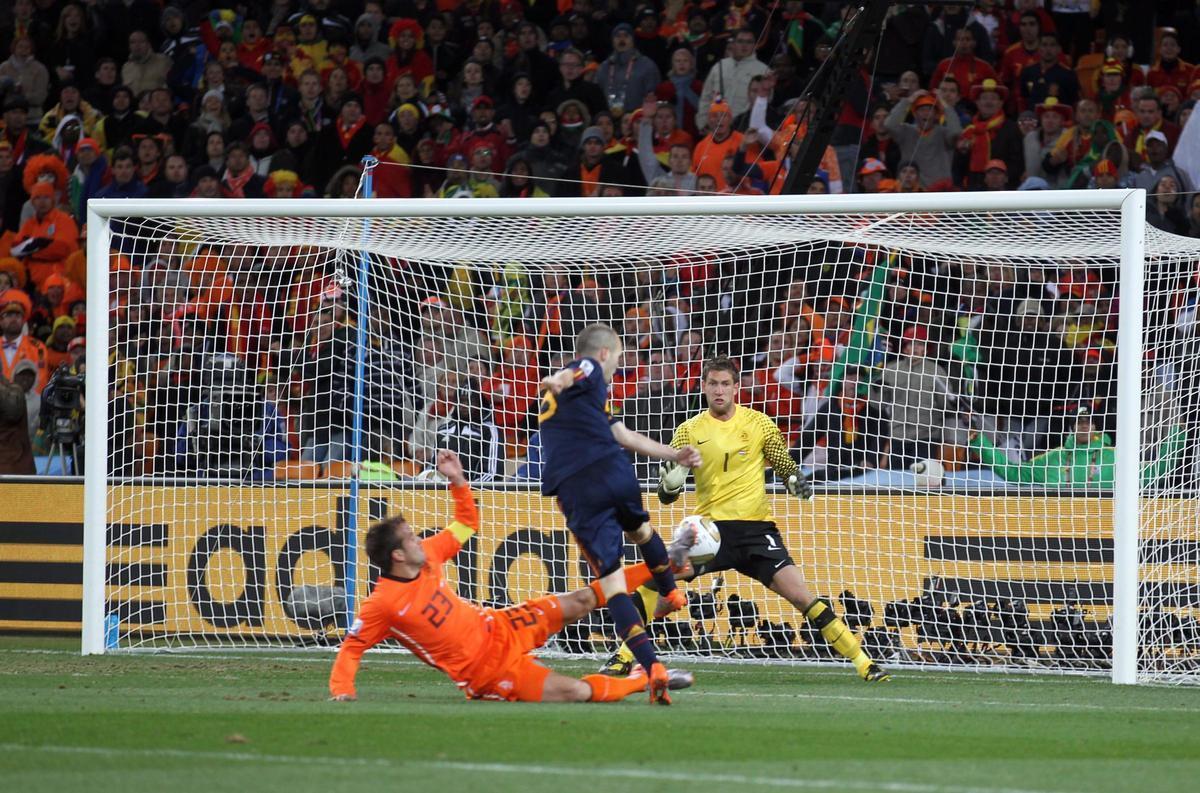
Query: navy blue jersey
(575, 426)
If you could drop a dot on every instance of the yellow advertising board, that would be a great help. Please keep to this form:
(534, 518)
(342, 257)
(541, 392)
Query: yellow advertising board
(212, 560)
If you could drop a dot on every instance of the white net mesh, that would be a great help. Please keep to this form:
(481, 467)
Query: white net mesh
(947, 379)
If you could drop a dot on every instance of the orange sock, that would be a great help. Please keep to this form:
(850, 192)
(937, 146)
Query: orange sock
(613, 689)
(635, 576)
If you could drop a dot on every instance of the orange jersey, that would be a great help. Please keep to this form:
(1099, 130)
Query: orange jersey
(424, 614)
(710, 154)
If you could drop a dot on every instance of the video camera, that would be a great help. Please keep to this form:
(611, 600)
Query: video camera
(62, 406)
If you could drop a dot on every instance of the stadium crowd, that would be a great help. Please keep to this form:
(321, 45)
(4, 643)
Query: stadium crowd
(136, 98)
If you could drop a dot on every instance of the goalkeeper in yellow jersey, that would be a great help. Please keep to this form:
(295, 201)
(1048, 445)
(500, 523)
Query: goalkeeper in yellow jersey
(736, 444)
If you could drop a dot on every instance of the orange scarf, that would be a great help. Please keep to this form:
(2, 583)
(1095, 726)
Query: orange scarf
(590, 179)
(850, 408)
(345, 134)
(981, 133)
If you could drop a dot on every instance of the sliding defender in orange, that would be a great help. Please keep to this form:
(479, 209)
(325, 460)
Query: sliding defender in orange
(486, 652)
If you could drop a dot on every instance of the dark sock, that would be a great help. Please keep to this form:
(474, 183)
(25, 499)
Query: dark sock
(631, 630)
(654, 552)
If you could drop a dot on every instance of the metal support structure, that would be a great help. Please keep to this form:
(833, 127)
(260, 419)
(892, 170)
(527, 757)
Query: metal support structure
(828, 89)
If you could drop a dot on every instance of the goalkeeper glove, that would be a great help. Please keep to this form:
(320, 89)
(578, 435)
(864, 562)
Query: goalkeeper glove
(672, 477)
(798, 485)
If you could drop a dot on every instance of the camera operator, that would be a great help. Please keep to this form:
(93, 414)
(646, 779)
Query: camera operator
(62, 416)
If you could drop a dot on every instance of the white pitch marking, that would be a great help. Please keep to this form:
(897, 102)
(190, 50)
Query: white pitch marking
(517, 768)
(941, 702)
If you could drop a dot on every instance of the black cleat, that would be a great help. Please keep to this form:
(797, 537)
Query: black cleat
(876, 674)
(616, 667)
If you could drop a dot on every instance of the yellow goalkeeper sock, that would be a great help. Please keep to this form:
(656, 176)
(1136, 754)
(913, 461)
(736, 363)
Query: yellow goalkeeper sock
(838, 635)
(644, 600)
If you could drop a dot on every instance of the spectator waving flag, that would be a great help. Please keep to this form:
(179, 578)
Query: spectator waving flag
(861, 345)
(795, 31)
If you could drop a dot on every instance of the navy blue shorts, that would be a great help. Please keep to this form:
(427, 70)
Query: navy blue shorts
(601, 503)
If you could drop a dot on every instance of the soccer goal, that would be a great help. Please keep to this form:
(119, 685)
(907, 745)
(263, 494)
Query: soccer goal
(995, 395)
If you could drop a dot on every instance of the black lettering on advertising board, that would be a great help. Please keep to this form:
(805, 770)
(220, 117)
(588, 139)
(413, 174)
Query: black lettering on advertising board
(250, 545)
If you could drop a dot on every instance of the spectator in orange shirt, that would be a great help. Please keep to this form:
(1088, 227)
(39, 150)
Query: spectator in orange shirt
(58, 349)
(58, 295)
(46, 239)
(15, 344)
(514, 387)
(486, 652)
(710, 153)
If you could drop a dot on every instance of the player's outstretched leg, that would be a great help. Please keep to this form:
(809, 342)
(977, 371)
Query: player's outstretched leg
(612, 689)
(654, 552)
(622, 662)
(609, 689)
(645, 598)
(788, 583)
(632, 631)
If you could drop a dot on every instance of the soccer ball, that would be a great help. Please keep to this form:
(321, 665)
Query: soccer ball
(315, 607)
(928, 473)
(708, 538)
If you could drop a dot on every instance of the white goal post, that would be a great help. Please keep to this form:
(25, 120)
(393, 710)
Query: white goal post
(399, 279)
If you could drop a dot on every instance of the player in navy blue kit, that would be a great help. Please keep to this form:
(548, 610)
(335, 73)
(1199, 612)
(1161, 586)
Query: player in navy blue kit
(586, 468)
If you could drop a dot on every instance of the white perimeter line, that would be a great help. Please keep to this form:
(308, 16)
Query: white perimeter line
(710, 667)
(516, 768)
(965, 676)
(955, 703)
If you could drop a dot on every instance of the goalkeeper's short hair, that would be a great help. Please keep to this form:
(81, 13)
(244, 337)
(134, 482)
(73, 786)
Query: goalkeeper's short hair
(719, 363)
(381, 541)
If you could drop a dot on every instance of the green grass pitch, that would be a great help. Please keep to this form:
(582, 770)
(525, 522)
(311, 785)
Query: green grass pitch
(259, 722)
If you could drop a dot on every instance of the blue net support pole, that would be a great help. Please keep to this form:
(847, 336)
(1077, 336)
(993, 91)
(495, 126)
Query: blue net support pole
(356, 440)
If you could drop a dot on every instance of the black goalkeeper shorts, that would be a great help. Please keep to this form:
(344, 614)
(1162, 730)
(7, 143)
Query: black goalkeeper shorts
(752, 547)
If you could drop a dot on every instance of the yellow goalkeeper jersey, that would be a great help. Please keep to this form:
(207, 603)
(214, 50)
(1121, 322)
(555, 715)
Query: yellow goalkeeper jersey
(731, 480)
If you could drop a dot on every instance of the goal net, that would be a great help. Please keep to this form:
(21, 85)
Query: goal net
(989, 493)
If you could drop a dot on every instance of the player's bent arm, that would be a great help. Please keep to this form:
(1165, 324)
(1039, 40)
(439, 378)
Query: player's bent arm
(466, 514)
(775, 450)
(637, 442)
(560, 380)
